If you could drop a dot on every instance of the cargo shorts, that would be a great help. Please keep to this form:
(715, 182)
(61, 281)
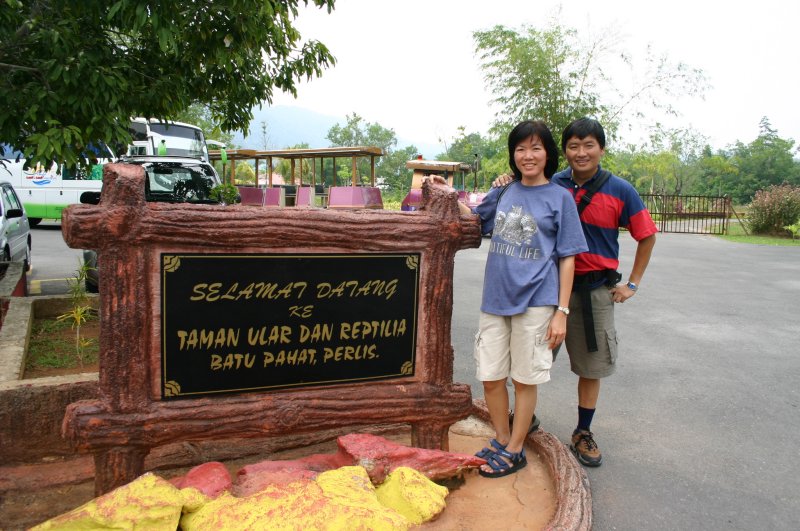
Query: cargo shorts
(582, 362)
(515, 346)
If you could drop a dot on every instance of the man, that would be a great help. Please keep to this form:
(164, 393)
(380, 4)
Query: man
(591, 335)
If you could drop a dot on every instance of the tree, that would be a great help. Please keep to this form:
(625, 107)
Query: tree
(665, 164)
(717, 174)
(389, 169)
(245, 174)
(553, 76)
(394, 175)
(491, 155)
(767, 160)
(302, 167)
(200, 115)
(75, 72)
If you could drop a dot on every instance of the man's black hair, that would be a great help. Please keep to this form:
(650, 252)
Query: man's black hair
(525, 130)
(582, 128)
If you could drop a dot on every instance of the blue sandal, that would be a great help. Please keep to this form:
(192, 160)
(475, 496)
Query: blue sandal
(494, 446)
(501, 467)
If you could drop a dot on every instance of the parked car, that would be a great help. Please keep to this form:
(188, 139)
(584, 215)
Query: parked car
(15, 230)
(169, 180)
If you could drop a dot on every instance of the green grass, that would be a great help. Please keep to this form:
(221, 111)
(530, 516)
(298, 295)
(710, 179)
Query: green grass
(736, 234)
(52, 345)
(392, 204)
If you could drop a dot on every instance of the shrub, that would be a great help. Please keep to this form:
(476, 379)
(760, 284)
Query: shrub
(774, 208)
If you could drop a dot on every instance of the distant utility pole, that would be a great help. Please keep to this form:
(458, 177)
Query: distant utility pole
(264, 136)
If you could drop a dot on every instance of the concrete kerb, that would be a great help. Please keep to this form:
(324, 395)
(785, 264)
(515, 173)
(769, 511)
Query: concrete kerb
(14, 338)
(16, 329)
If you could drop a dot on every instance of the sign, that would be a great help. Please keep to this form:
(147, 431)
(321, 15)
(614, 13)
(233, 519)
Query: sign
(255, 322)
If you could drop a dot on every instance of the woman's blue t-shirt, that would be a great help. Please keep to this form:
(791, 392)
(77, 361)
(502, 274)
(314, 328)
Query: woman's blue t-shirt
(532, 227)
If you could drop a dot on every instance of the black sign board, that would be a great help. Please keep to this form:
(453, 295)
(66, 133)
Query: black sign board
(255, 322)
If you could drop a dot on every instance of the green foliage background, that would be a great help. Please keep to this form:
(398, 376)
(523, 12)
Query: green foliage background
(74, 72)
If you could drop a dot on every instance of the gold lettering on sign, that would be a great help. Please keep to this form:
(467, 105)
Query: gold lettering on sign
(232, 361)
(316, 333)
(297, 356)
(214, 291)
(208, 339)
(355, 288)
(269, 335)
(372, 329)
(349, 353)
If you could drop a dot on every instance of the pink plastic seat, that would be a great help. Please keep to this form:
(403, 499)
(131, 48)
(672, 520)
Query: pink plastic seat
(354, 197)
(251, 195)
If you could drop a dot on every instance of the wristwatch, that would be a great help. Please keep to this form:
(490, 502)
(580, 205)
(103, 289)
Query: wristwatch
(563, 309)
(632, 286)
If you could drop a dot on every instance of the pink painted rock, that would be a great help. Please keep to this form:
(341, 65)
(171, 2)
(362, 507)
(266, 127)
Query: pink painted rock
(212, 479)
(380, 456)
(377, 455)
(254, 478)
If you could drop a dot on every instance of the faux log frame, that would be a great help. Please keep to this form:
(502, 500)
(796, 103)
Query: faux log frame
(129, 419)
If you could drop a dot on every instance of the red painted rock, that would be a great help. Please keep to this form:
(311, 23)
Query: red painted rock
(212, 479)
(254, 478)
(380, 456)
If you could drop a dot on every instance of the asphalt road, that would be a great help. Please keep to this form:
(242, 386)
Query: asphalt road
(53, 262)
(699, 426)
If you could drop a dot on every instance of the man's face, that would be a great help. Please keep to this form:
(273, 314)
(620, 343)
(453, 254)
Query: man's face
(583, 156)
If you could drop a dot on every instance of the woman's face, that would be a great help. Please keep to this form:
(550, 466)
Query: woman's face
(530, 158)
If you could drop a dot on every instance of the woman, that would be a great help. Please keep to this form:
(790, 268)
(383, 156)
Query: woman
(536, 234)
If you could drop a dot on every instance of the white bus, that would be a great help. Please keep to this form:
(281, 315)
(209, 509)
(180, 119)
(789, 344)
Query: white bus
(171, 139)
(46, 192)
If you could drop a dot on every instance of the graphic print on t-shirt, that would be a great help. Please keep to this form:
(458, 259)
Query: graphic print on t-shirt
(515, 227)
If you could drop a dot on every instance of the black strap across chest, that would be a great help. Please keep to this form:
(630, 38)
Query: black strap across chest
(591, 189)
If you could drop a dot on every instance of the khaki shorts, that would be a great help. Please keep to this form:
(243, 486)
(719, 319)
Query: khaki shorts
(514, 346)
(582, 362)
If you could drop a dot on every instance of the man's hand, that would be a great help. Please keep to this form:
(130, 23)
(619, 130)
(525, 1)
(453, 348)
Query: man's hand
(621, 293)
(502, 180)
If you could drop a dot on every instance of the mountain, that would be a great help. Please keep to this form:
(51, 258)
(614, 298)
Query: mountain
(289, 125)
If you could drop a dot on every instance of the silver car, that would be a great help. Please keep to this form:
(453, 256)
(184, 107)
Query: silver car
(169, 180)
(15, 231)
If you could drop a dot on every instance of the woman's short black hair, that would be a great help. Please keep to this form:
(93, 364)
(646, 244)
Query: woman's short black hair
(525, 130)
(582, 128)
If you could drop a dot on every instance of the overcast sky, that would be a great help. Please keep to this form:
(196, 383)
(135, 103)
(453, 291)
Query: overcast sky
(409, 65)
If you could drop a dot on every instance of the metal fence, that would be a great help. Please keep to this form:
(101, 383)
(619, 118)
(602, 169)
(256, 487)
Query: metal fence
(690, 214)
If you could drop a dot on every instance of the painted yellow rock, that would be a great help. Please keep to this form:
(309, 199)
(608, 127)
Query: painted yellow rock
(412, 494)
(342, 499)
(147, 502)
(193, 499)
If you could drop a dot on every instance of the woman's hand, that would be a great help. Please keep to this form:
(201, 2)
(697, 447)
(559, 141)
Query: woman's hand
(557, 330)
(434, 179)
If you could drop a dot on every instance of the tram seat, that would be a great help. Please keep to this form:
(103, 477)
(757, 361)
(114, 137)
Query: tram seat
(274, 197)
(251, 195)
(354, 197)
(305, 196)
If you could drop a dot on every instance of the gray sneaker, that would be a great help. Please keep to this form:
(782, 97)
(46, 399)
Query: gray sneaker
(585, 449)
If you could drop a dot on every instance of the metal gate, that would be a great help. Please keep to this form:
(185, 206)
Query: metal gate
(690, 214)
